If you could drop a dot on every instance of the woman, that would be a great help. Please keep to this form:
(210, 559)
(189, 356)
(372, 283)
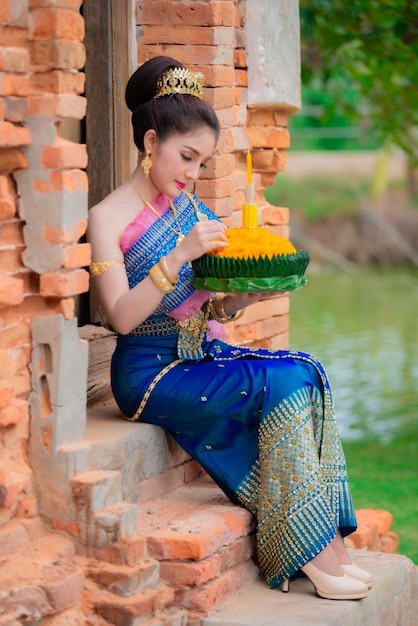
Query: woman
(261, 423)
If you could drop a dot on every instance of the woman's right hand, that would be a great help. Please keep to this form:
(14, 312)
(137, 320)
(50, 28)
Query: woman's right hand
(203, 237)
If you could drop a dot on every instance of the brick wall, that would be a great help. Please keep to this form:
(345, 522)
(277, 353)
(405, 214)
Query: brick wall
(43, 214)
(43, 208)
(210, 37)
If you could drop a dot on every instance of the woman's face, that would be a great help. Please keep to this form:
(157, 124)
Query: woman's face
(178, 160)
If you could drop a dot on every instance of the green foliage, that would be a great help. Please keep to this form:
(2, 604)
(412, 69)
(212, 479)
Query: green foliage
(368, 46)
(316, 196)
(384, 476)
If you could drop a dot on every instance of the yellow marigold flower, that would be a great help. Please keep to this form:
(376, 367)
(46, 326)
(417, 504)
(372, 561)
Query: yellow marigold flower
(245, 243)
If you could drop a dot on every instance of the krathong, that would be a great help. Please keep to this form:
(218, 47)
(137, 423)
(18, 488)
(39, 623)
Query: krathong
(255, 260)
(246, 243)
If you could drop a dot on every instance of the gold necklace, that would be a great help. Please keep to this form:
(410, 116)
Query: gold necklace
(178, 232)
(202, 217)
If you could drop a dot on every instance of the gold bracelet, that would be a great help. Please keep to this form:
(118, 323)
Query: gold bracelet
(159, 279)
(163, 264)
(221, 316)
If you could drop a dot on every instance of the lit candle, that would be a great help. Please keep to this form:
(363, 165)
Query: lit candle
(250, 209)
(249, 168)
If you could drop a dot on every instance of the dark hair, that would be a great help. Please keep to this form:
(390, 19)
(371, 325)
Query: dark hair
(177, 113)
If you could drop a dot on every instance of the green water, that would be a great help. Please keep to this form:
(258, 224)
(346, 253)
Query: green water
(364, 329)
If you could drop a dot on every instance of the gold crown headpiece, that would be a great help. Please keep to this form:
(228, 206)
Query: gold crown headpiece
(180, 80)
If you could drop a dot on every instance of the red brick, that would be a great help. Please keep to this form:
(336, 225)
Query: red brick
(13, 85)
(205, 598)
(125, 580)
(273, 215)
(15, 109)
(195, 14)
(64, 154)
(221, 188)
(240, 59)
(241, 78)
(58, 4)
(261, 117)
(382, 519)
(186, 35)
(7, 208)
(57, 81)
(11, 290)
(57, 54)
(11, 261)
(189, 573)
(13, 36)
(222, 97)
(266, 309)
(57, 236)
(57, 24)
(14, 60)
(11, 135)
(72, 180)
(129, 610)
(122, 552)
(14, 13)
(64, 284)
(222, 207)
(219, 166)
(66, 106)
(233, 139)
(12, 159)
(262, 137)
(269, 160)
(70, 528)
(364, 536)
(67, 308)
(388, 543)
(77, 256)
(17, 334)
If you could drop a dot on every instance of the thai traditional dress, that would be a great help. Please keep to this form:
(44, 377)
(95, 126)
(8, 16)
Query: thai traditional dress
(261, 423)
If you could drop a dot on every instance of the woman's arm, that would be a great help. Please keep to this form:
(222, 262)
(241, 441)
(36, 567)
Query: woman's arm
(126, 308)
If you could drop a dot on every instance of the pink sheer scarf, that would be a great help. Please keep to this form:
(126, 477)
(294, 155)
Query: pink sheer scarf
(134, 231)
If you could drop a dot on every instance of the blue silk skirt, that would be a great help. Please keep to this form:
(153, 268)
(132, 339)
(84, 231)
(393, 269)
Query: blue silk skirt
(261, 424)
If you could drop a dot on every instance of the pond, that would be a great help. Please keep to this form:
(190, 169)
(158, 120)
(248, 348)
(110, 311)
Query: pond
(364, 328)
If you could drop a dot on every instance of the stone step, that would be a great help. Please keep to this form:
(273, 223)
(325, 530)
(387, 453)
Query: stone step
(203, 542)
(140, 452)
(393, 600)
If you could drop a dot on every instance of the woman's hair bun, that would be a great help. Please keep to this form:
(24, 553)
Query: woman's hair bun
(142, 84)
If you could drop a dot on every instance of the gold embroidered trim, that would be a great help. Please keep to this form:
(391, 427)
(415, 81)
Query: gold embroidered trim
(97, 268)
(152, 385)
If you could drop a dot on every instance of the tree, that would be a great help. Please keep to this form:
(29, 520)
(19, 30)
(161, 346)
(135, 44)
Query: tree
(371, 46)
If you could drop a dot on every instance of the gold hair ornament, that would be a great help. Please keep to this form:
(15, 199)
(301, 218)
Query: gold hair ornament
(180, 80)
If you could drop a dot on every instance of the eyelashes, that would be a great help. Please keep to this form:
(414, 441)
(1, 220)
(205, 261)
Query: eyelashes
(187, 158)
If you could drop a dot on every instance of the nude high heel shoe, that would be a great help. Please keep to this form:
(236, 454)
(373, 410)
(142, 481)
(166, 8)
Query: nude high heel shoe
(335, 587)
(355, 571)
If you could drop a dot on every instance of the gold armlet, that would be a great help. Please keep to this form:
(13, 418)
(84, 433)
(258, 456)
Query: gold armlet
(163, 264)
(97, 268)
(158, 278)
(219, 314)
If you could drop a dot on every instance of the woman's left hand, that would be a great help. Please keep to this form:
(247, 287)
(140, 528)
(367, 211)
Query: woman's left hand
(235, 301)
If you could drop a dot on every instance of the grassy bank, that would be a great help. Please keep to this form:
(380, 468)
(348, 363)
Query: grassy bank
(384, 476)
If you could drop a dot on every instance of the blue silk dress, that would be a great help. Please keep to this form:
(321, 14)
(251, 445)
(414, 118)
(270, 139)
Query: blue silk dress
(261, 423)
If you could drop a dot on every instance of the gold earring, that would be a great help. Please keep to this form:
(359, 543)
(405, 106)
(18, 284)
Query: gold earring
(146, 165)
